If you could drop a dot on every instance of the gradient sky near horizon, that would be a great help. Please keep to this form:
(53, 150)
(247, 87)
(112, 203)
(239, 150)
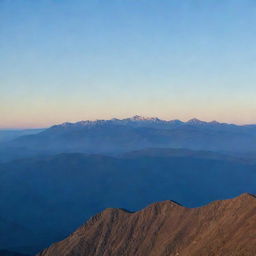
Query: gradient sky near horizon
(71, 60)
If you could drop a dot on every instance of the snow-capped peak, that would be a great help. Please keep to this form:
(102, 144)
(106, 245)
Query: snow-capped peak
(139, 122)
(195, 121)
(142, 118)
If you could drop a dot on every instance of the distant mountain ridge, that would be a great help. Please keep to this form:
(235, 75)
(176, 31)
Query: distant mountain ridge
(167, 229)
(116, 136)
(140, 121)
(11, 134)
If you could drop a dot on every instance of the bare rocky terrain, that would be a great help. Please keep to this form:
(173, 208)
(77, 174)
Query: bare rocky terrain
(226, 228)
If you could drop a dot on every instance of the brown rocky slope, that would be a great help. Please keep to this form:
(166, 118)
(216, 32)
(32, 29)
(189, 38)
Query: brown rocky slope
(221, 228)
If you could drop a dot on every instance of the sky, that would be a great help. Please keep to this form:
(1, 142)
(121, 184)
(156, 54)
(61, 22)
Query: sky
(71, 60)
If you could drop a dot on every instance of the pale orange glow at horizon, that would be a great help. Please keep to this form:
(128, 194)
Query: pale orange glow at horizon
(45, 116)
(79, 61)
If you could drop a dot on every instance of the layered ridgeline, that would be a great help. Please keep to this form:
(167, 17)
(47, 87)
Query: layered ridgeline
(123, 135)
(167, 229)
(44, 199)
(46, 196)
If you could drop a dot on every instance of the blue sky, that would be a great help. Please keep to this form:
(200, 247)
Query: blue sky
(70, 60)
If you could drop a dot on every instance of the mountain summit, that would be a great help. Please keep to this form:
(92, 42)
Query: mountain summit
(142, 118)
(167, 229)
(196, 121)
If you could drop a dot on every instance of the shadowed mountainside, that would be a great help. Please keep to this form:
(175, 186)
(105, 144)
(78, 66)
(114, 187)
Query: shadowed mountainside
(167, 229)
(9, 253)
(14, 235)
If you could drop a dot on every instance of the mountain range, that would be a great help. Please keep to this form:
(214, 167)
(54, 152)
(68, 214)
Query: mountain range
(167, 229)
(115, 136)
(54, 180)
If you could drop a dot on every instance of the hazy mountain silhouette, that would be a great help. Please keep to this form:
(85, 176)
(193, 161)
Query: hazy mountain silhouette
(166, 228)
(116, 136)
(53, 195)
(8, 135)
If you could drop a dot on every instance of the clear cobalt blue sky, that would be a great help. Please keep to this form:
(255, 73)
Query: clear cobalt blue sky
(71, 60)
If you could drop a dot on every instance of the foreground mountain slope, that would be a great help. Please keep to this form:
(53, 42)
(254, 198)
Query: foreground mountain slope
(165, 229)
